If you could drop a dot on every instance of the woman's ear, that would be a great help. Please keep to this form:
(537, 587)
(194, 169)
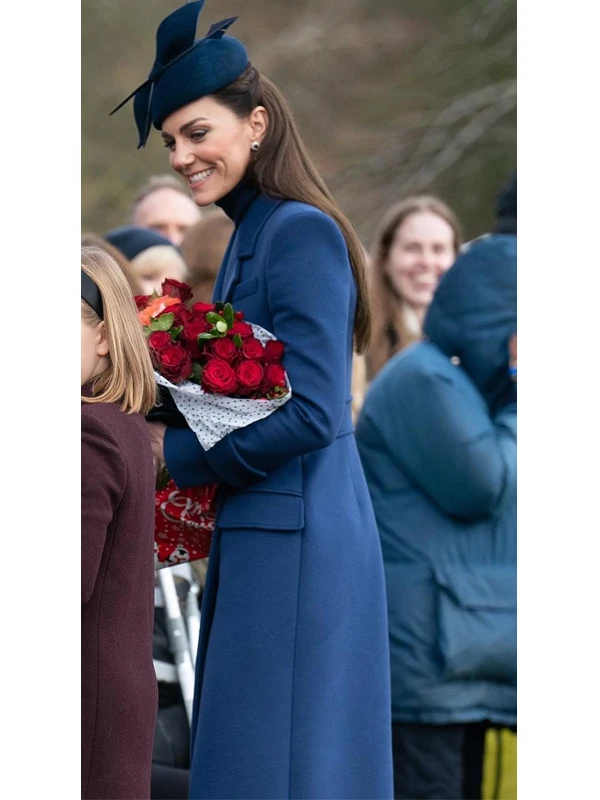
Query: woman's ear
(102, 340)
(259, 122)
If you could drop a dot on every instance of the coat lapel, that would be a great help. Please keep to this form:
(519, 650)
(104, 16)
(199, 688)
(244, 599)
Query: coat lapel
(243, 244)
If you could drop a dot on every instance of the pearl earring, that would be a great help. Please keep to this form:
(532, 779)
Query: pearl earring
(254, 146)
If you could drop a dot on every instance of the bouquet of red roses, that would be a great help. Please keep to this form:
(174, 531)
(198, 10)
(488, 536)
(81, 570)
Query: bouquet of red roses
(222, 373)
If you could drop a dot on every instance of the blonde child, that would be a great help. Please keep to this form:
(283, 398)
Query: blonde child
(118, 684)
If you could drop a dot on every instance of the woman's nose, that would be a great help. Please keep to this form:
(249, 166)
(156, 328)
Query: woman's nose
(181, 156)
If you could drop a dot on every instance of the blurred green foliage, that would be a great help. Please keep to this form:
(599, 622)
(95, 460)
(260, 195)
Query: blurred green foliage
(391, 98)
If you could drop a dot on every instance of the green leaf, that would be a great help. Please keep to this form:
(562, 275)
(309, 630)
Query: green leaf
(219, 305)
(207, 336)
(196, 375)
(176, 331)
(237, 340)
(163, 323)
(228, 315)
(214, 318)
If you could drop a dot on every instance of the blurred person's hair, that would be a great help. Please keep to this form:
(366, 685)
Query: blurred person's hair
(203, 248)
(129, 378)
(159, 257)
(153, 184)
(391, 328)
(90, 239)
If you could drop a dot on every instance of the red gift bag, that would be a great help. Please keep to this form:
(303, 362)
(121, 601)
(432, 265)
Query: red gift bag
(184, 520)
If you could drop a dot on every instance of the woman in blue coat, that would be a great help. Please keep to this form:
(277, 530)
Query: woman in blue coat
(292, 684)
(437, 438)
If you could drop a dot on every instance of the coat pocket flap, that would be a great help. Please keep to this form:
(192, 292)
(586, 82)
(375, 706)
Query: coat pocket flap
(271, 511)
(483, 587)
(477, 619)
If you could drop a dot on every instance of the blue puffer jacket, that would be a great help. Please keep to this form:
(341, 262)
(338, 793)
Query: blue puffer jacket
(438, 444)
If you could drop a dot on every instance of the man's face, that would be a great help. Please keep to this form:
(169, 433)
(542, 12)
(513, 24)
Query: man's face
(168, 212)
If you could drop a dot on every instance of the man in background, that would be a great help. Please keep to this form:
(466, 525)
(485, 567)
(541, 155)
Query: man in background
(163, 204)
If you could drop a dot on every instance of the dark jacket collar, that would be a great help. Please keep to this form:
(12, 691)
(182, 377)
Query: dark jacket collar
(236, 203)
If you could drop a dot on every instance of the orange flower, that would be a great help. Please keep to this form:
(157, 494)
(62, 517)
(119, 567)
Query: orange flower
(156, 307)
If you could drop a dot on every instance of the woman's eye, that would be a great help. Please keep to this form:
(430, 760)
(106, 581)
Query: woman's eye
(197, 136)
(169, 145)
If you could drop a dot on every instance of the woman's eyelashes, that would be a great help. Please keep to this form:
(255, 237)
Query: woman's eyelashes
(198, 135)
(195, 136)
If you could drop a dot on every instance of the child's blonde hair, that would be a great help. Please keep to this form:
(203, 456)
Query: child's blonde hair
(129, 378)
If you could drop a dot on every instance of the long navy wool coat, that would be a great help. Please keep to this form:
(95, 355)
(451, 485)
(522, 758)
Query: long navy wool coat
(292, 685)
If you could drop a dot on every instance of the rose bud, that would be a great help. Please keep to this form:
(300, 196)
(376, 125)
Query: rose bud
(182, 314)
(191, 330)
(203, 308)
(241, 328)
(253, 349)
(158, 340)
(141, 301)
(250, 375)
(273, 352)
(225, 349)
(274, 376)
(173, 288)
(175, 363)
(218, 377)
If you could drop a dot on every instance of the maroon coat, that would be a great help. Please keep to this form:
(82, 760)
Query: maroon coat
(118, 683)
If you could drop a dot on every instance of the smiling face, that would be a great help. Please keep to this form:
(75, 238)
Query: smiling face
(422, 250)
(210, 146)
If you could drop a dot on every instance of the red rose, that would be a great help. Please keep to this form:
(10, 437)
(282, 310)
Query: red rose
(182, 314)
(175, 363)
(250, 375)
(253, 349)
(239, 315)
(274, 376)
(172, 288)
(141, 301)
(158, 340)
(225, 349)
(203, 308)
(273, 352)
(241, 328)
(191, 330)
(218, 377)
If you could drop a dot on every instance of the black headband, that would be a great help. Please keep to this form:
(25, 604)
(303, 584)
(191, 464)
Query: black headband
(91, 294)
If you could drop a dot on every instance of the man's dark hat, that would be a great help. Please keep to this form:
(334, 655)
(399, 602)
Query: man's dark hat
(132, 241)
(184, 69)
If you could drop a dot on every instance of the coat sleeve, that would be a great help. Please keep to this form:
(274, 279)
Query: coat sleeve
(102, 485)
(309, 284)
(446, 442)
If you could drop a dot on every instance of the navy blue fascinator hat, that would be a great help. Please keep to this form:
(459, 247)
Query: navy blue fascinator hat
(132, 241)
(185, 69)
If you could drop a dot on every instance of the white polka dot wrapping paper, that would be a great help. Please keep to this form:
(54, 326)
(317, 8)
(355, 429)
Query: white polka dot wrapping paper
(213, 416)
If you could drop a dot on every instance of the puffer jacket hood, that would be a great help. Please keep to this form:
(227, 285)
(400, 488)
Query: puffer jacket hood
(474, 313)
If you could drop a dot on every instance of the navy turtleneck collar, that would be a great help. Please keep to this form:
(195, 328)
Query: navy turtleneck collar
(238, 200)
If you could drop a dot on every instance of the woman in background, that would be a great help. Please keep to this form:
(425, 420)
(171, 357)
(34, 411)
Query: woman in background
(416, 243)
